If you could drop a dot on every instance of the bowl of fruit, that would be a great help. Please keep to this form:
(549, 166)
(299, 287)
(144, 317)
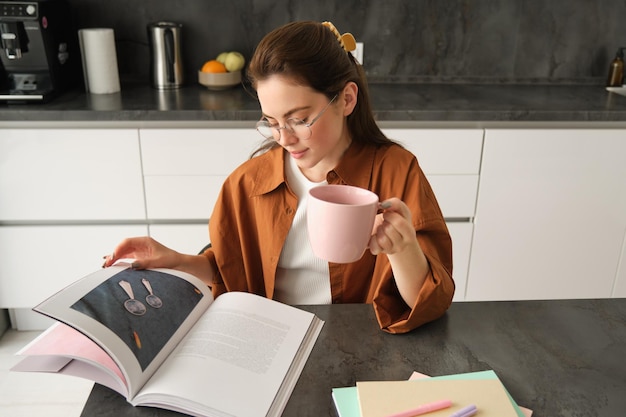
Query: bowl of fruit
(223, 72)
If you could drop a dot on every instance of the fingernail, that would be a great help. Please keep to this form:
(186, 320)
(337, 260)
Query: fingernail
(135, 265)
(385, 205)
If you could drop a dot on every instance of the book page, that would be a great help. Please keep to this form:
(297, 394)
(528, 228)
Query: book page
(242, 358)
(137, 317)
(55, 350)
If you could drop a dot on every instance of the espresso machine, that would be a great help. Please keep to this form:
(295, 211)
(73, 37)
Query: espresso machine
(39, 55)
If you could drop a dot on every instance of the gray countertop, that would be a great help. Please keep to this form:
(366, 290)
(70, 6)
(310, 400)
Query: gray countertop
(557, 357)
(475, 105)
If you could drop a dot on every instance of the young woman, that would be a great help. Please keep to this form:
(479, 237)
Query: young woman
(320, 129)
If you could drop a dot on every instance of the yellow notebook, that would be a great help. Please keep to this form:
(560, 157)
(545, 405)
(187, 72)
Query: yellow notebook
(382, 398)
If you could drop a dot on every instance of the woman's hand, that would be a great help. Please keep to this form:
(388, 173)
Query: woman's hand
(393, 229)
(394, 235)
(146, 252)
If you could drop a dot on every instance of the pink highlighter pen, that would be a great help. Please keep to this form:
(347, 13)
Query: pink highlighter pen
(423, 409)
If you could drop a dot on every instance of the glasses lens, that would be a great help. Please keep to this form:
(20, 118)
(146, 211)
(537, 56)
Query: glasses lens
(265, 130)
(295, 127)
(299, 128)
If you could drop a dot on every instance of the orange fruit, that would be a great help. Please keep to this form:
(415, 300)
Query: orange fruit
(213, 66)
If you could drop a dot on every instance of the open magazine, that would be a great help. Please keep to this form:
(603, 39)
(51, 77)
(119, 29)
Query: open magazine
(160, 339)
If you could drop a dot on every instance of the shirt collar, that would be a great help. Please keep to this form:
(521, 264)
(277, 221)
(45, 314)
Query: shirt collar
(356, 164)
(271, 173)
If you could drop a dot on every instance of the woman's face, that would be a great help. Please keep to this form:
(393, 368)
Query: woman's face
(282, 99)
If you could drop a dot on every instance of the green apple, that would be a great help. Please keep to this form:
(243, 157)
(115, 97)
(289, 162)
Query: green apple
(222, 57)
(233, 61)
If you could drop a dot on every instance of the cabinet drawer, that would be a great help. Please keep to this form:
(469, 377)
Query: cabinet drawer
(184, 168)
(450, 158)
(442, 151)
(70, 174)
(182, 197)
(456, 194)
(196, 151)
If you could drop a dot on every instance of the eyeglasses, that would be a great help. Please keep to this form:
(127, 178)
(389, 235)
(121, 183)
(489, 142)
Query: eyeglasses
(297, 127)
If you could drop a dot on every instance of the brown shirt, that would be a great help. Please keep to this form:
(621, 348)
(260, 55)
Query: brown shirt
(255, 210)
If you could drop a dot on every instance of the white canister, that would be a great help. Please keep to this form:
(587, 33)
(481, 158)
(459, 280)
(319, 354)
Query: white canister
(99, 57)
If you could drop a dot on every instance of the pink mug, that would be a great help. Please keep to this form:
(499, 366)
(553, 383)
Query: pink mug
(340, 219)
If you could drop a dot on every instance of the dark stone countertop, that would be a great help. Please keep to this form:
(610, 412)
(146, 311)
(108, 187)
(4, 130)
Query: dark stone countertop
(472, 105)
(559, 358)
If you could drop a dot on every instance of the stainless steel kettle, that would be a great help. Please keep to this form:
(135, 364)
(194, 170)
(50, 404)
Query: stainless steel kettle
(166, 71)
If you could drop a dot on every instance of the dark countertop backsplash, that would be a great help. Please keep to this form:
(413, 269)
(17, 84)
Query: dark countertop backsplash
(444, 40)
(427, 61)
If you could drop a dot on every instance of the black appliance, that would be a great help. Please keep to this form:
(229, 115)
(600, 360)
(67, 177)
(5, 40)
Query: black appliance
(39, 54)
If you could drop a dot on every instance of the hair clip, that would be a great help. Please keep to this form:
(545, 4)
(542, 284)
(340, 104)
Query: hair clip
(347, 41)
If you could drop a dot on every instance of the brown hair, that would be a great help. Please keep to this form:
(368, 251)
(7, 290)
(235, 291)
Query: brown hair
(311, 54)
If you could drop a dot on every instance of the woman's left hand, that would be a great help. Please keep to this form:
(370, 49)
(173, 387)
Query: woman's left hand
(393, 229)
(395, 236)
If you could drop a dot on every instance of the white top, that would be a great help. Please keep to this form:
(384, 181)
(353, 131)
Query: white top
(301, 278)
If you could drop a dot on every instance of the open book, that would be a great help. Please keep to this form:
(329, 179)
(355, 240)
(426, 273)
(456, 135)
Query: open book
(160, 339)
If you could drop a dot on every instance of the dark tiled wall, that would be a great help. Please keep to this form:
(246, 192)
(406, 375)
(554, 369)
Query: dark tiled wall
(414, 40)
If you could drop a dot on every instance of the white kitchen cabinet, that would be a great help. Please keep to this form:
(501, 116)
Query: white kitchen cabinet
(38, 261)
(67, 197)
(171, 197)
(442, 151)
(551, 215)
(70, 174)
(450, 159)
(184, 168)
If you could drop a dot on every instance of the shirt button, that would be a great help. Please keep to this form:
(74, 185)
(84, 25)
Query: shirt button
(331, 176)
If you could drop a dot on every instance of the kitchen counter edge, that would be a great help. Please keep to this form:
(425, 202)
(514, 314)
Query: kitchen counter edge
(394, 105)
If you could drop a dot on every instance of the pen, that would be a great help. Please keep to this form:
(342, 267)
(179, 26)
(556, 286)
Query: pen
(423, 409)
(468, 411)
